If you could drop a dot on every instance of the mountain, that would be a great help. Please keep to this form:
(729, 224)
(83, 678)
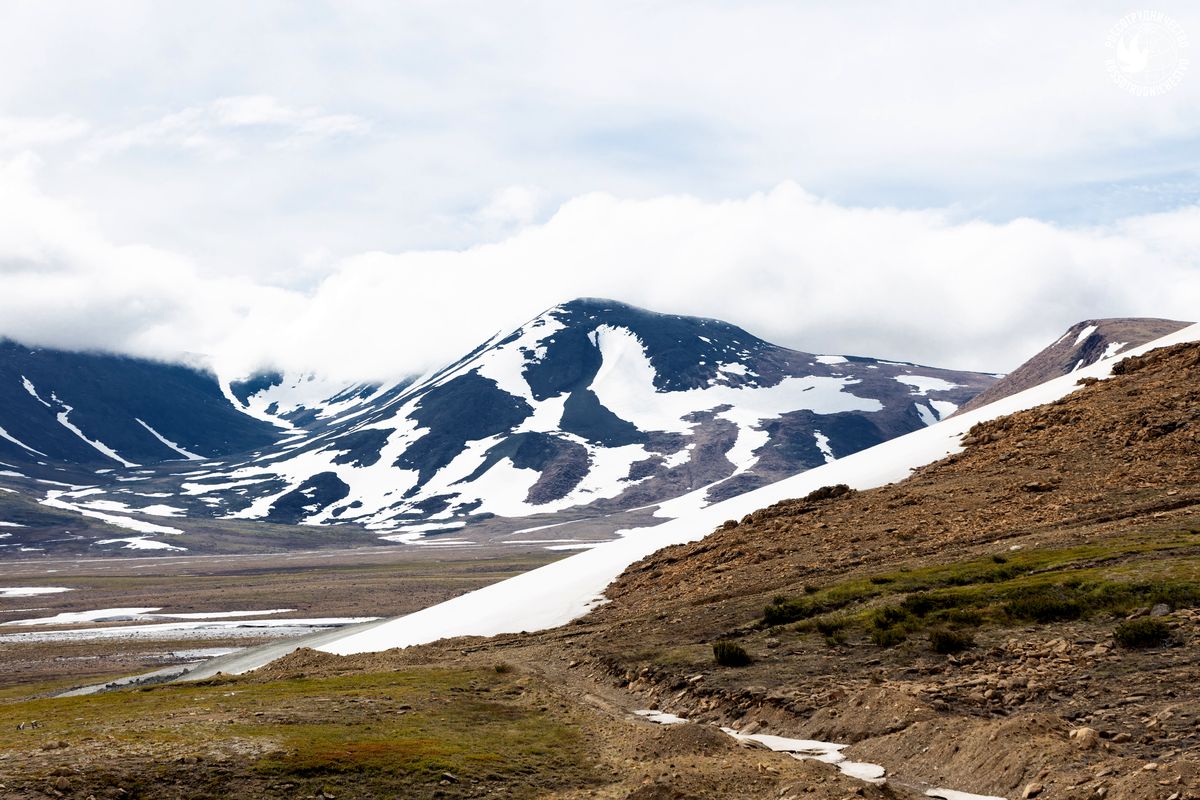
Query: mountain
(90, 411)
(593, 406)
(1083, 344)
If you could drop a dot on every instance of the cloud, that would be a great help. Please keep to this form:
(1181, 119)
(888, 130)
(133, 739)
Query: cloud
(785, 264)
(795, 269)
(221, 127)
(251, 134)
(22, 133)
(369, 188)
(63, 283)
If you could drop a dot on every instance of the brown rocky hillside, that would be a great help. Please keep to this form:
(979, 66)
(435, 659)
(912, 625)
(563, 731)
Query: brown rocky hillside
(1084, 343)
(1053, 531)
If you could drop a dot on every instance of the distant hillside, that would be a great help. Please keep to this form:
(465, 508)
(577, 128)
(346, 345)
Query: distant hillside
(592, 407)
(1084, 343)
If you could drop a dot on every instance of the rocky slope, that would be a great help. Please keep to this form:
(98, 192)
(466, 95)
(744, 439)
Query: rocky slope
(1084, 343)
(1088, 506)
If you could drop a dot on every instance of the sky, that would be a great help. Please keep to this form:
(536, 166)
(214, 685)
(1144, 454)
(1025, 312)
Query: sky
(367, 190)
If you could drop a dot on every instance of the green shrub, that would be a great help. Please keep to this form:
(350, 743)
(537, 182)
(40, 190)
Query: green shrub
(788, 611)
(889, 637)
(919, 604)
(969, 617)
(1045, 604)
(730, 654)
(829, 625)
(835, 638)
(1144, 632)
(947, 641)
(888, 617)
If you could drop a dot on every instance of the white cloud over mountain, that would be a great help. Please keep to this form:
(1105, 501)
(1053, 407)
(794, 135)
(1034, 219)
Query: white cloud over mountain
(794, 268)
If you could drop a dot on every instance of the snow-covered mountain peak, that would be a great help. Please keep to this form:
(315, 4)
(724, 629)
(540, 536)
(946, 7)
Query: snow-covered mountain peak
(592, 405)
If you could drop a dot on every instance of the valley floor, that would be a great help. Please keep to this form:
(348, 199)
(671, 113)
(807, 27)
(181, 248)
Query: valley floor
(366, 582)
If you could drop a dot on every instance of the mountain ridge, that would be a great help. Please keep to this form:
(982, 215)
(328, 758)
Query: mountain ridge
(1082, 344)
(593, 403)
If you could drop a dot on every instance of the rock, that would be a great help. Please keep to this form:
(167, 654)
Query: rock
(1032, 790)
(1160, 610)
(449, 777)
(62, 784)
(1121, 738)
(1087, 738)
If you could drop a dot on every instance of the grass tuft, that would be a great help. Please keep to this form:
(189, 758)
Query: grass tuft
(948, 641)
(1142, 633)
(730, 654)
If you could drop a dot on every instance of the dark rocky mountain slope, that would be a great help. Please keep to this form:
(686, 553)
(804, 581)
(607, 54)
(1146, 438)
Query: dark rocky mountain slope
(594, 406)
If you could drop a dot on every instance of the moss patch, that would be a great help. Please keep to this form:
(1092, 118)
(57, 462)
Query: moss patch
(407, 733)
(1041, 586)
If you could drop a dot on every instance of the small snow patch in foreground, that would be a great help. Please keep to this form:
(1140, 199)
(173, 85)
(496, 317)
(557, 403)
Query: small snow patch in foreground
(661, 717)
(808, 749)
(951, 794)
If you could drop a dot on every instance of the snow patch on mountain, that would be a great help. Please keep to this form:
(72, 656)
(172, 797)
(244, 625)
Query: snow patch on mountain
(1112, 349)
(924, 384)
(9, 437)
(54, 499)
(506, 365)
(625, 386)
(65, 420)
(823, 445)
(1084, 334)
(29, 387)
(186, 454)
